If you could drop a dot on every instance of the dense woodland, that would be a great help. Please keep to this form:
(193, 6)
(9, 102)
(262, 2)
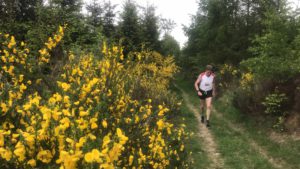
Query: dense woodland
(87, 86)
(134, 27)
(258, 41)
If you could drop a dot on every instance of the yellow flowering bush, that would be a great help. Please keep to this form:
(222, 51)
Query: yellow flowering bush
(154, 73)
(228, 74)
(103, 113)
(246, 80)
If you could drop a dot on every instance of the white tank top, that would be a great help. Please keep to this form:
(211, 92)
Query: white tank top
(206, 82)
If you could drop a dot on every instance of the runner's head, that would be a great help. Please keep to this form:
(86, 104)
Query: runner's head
(209, 69)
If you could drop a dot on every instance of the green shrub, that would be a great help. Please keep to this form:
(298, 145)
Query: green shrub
(274, 103)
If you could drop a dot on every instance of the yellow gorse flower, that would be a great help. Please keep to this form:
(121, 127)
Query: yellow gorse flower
(160, 124)
(104, 123)
(45, 156)
(32, 162)
(20, 151)
(93, 156)
(12, 42)
(96, 113)
(5, 154)
(246, 80)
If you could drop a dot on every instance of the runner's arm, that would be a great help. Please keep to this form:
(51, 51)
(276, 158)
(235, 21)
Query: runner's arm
(197, 82)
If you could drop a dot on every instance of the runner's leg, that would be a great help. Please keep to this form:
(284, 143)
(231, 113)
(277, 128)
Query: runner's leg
(208, 107)
(202, 105)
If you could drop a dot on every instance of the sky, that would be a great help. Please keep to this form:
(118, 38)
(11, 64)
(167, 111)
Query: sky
(179, 11)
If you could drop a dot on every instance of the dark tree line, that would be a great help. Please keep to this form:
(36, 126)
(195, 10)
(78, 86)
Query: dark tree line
(231, 31)
(134, 27)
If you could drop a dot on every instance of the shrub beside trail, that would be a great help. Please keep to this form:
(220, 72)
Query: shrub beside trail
(110, 112)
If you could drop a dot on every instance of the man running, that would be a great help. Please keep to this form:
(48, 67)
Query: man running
(205, 87)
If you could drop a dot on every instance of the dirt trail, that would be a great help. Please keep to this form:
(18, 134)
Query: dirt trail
(276, 163)
(206, 136)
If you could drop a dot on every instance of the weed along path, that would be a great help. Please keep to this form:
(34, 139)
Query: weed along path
(276, 163)
(206, 136)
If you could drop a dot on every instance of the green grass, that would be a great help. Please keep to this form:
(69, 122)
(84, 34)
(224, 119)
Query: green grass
(289, 150)
(235, 147)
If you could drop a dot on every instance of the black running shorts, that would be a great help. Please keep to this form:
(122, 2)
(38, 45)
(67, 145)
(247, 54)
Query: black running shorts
(205, 94)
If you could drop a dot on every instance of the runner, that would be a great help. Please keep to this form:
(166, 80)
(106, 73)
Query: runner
(205, 87)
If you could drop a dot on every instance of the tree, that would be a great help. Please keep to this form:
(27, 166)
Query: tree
(66, 12)
(150, 32)
(167, 25)
(130, 28)
(67, 6)
(79, 32)
(169, 46)
(222, 31)
(95, 14)
(17, 16)
(109, 28)
(18, 10)
(275, 53)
